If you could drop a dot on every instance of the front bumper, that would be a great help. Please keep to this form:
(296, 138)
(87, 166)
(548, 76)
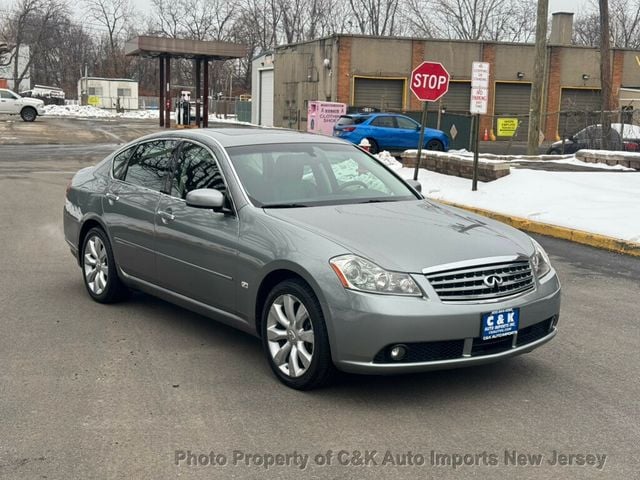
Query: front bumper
(363, 332)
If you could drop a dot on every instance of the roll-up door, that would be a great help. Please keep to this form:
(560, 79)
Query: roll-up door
(457, 99)
(265, 115)
(579, 107)
(512, 101)
(382, 93)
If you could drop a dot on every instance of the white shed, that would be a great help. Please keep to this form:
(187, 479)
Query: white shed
(109, 93)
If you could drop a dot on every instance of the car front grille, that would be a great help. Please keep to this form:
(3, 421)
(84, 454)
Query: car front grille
(467, 284)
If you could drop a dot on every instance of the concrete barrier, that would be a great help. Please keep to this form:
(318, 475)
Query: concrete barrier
(626, 159)
(457, 165)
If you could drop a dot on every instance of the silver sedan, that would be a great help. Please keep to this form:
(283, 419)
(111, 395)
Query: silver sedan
(313, 245)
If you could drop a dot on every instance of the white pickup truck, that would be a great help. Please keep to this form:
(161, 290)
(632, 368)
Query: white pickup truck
(13, 104)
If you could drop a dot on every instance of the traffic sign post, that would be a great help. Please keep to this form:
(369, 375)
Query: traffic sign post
(478, 106)
(429, 83)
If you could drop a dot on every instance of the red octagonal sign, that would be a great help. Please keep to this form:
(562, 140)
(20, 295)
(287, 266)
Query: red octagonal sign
(429, 81)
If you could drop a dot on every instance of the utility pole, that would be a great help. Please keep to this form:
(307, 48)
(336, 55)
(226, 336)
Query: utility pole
(605, 72)
(535, 102)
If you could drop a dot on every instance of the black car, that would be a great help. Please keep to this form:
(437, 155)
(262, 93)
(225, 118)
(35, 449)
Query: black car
(591, 138)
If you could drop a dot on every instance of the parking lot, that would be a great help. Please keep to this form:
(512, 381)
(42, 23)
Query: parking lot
(147, 390)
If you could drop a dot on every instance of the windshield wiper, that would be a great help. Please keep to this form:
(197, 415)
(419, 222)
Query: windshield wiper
(378, 200)
(284, 205)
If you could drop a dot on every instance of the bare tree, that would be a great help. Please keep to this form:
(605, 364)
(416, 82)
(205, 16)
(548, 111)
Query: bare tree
(376, 17)
(605, 71)
(29, 27)
(114, 16)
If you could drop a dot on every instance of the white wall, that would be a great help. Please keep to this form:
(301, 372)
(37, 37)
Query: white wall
(7, 70)
(107, 92)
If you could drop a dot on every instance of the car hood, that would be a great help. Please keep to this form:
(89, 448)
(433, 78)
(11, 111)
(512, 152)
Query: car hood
(409, 235)
(34, 102)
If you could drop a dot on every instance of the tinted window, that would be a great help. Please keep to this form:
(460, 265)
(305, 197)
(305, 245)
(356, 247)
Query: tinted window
(149, 165)
(346, 120)
(406, 123)
(195, 168)
(386, 122)
(120, 163)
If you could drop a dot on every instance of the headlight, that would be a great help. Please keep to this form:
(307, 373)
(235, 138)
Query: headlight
(540, 260)
(356, 273)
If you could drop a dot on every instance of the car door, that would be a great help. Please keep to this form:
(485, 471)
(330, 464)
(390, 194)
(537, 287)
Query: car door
(130, 203)
(383, 129)
(197, 248)
(408, 133)
(8, 103)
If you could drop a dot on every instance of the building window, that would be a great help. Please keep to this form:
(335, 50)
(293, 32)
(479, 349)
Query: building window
(97, 91)
(124, 92)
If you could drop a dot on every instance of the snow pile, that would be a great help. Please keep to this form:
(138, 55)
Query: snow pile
(605, 203)
(389, 160)
(77, 111)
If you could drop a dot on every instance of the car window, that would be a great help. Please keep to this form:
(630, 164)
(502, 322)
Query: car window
(310, 174)
(406, 123)
(7, 94)
(119, 167)
(387, 122)
(149, 164)
(347, 120)
(195, 168)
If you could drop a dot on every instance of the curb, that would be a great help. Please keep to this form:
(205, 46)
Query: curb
(578, 236)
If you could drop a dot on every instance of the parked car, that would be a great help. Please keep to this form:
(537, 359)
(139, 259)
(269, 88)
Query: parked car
(313, 245)
(591, 138)
(388, 131)
(13, 104)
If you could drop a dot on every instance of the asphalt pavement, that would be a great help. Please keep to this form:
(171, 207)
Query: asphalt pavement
(147, 390)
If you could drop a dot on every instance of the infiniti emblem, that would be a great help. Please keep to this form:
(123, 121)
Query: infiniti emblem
(493, 281)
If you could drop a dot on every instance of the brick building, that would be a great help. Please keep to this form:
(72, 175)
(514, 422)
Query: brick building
(364, 71)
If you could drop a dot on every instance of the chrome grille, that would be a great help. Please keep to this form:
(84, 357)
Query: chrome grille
(467, 284)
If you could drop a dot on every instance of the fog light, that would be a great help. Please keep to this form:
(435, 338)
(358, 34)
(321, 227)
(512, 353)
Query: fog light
(397, 352)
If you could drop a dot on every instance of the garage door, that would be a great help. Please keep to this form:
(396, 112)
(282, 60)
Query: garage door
(512, 100)
(457, 98)
(578, 107)
(265, 115)
(380, 93)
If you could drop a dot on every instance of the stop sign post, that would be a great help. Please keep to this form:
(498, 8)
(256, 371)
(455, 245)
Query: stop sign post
(429, 83)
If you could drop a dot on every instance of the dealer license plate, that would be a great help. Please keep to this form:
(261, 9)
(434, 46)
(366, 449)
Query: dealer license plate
(500, 323)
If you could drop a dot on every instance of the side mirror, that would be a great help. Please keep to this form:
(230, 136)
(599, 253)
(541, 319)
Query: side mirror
(415, 184)
(205, 198)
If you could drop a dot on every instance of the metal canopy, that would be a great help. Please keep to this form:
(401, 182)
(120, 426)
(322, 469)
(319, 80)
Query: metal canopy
(202, 52)
(181, 48)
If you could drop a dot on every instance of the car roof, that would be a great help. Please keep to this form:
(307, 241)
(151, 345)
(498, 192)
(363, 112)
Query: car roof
(233, 137)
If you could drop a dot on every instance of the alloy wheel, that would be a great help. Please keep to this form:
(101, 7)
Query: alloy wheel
(96, 266)
(290, 335)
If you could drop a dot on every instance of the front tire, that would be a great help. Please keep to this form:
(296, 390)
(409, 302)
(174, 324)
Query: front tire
(294, 336)
(99, 268)
(28, 114)
(435, 145)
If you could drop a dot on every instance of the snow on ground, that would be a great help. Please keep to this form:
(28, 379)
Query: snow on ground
(87, 111)
(606, 203)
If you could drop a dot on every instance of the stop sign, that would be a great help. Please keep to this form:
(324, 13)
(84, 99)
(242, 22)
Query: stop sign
(429, 81)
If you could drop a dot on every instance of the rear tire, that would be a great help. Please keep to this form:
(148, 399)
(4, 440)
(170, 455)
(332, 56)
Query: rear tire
(434, 145)
(294, 336)
(374, 148)
(553, 151)
(28, 114)
(99, 270)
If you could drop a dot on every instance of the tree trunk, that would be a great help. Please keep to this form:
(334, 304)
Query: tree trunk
(605, 73)
(535, 102)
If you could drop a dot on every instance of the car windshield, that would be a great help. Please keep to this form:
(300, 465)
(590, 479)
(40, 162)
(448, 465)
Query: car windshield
(305, 174)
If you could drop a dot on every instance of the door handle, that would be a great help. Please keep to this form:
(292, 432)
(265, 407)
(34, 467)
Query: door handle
(112, 197)
(166, 216)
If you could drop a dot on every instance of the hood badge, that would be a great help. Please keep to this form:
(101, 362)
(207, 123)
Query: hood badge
(492, 281)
